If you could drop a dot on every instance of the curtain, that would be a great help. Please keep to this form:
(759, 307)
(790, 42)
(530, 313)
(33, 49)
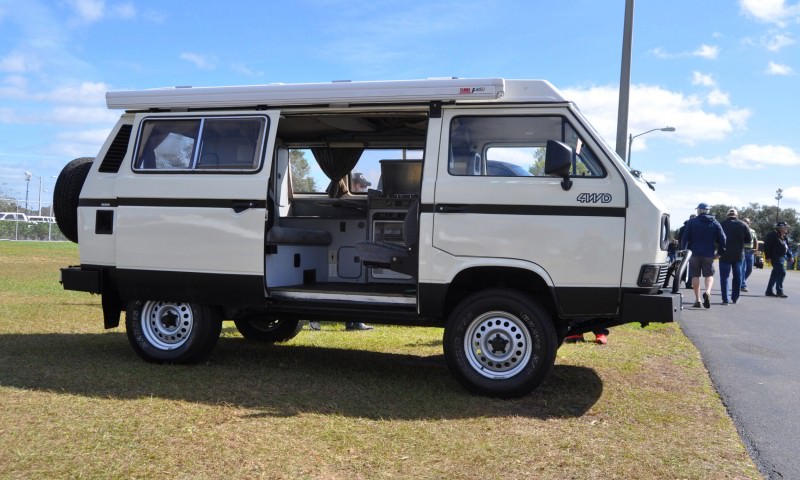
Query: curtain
(336, 163)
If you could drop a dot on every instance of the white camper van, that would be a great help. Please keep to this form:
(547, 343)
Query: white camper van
(488, 207)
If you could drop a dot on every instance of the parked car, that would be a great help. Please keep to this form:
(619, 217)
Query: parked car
(41, 219)
(14, 216)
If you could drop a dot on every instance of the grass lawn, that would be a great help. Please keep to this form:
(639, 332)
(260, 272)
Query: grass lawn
(76, 402)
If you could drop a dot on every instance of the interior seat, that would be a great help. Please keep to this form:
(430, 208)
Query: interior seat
(401, 258)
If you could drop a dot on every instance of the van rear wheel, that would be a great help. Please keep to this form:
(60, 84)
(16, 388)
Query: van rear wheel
(270, 330)
(173, 332)
(500, 343)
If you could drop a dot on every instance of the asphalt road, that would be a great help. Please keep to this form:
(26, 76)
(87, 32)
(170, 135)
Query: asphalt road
(752, 352)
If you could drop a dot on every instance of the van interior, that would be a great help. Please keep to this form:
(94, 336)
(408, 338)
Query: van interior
(343, 206)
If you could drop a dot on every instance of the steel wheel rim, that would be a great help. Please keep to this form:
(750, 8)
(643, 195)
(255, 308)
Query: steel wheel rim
(167, 325)
(265, 325)
(497, 345)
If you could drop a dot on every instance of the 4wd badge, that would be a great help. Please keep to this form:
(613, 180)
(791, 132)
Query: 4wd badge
(594, 198)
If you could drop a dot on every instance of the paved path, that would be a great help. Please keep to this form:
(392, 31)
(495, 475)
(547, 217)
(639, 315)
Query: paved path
(752, 351)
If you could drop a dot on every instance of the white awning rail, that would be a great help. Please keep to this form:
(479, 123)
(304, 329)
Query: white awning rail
(338, 93)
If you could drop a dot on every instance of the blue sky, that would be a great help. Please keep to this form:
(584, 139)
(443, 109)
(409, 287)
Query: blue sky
(724, 73)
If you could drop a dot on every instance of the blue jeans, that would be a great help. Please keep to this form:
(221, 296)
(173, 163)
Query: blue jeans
(777, 275)
(747, 266)
(725, 270)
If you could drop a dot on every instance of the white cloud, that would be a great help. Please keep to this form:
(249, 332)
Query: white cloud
(703, 79)
(778, 69)
(17, 62)
(771, 11)
(656, 107)
(708, 52)
(94, 137)
(87, 93)
(89, 10)
(751, 157)
(792, 193)
(777, 41)
(14, 86)
(71, 115)
(718, 98)
(205, 62)
(125, 10)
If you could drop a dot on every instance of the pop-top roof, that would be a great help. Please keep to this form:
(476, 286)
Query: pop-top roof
(335, 93)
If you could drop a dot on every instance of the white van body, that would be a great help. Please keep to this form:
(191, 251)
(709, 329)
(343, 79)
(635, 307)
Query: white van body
(504, 212)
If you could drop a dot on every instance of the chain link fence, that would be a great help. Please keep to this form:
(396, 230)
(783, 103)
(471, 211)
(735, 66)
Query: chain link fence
(40, 231)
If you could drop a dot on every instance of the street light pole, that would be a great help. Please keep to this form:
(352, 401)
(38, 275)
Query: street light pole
(631, 137)
(28, 176)
(624, 79)
(778, 196)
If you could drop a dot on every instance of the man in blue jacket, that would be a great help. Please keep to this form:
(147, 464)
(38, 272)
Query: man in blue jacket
(703, 235)
(776, 248)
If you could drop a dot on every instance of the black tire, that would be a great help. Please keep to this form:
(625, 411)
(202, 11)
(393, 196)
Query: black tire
(500, 343)
(172, 332)
(66, 195)
(257, 327)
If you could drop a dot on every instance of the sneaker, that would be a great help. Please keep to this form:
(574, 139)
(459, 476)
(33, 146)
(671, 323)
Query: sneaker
(357, 326)
(724, 302)
(706, 300)
(743, 289)
(770, 294)
(781, 295)
(696, 305)
(573, 338)
(601, 339)
(735, 302)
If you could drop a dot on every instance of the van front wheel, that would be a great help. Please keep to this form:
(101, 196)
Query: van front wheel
(500, 343)
(173, 332)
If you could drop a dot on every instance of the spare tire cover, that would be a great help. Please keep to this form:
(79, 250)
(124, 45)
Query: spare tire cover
(66, 195)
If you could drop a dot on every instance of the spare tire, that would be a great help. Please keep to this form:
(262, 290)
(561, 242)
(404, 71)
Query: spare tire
(66, 195)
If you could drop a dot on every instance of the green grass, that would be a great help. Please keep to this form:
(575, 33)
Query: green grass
(76, 402)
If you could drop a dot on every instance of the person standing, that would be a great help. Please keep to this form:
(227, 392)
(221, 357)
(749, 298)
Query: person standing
(776, 249)
(749, 256)
(737, 235)
(703, 235)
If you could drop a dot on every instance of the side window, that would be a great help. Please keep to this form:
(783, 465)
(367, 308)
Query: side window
(167, 144)
(200, 144)
(513, 146)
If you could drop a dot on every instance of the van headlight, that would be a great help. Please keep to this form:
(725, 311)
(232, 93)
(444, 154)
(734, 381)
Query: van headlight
(650, 276)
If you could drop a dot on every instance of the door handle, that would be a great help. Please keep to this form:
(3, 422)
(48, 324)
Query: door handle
(240, 206)
(451, 208)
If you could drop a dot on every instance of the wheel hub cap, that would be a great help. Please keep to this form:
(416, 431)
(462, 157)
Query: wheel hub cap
(498, 345)
(167, 325)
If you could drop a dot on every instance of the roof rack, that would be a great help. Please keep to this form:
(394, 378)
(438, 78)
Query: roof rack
(338, 93)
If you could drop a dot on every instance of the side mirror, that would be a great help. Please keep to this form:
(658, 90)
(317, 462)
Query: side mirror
(558, 162)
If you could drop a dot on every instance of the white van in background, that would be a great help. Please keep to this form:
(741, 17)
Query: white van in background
(14, 216)
(488, 207)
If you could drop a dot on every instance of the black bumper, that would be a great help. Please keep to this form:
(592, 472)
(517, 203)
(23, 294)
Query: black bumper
(82, 279)
(644, 308)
